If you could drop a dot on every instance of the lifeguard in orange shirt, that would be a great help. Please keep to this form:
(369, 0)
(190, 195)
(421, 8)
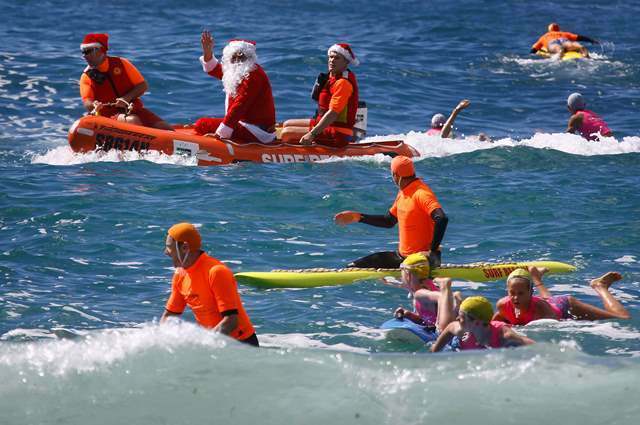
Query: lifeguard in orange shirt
(109, 84)
(206, 285)
(420, 218)
(556, 41)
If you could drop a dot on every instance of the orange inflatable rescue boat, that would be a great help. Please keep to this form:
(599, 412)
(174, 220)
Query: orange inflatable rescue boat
(91, 133)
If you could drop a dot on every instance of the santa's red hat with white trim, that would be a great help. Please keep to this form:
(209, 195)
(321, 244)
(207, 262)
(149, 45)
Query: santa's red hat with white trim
(95, 40)
(240, 45)
(344, 50)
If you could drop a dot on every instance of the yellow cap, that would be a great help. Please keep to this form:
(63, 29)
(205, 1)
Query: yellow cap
(519, 274)
(417, 263)
(478, 307)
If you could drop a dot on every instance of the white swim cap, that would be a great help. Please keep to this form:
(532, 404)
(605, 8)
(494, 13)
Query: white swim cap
(576, 102)
(438, 120)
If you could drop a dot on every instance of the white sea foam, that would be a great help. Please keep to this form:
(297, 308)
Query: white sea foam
(63, 155)
(626, 259)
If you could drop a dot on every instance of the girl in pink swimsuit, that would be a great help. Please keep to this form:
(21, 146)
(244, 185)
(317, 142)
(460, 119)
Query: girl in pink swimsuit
(583, 121)
(520, 306)
(475, 329)
(415, 277)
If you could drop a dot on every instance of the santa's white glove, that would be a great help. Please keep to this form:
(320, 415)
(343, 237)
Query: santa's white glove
(224, 131)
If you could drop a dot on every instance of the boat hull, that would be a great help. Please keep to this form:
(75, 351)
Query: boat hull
(92, 133)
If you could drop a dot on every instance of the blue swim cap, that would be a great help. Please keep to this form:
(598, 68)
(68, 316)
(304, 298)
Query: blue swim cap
(438, 121)
(576, 102)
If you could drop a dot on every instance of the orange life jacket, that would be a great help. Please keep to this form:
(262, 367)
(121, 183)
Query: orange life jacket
(346, 118)
(110, 85)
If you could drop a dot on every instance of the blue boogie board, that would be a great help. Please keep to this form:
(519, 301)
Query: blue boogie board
(407, 331)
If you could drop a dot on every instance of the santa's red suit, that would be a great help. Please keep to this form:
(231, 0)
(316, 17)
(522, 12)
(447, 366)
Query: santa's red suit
(250, 110)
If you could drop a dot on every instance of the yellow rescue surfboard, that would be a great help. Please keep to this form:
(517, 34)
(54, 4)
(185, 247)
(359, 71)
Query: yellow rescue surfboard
(311, 278)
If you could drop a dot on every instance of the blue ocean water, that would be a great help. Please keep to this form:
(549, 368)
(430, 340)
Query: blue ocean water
(83, 277)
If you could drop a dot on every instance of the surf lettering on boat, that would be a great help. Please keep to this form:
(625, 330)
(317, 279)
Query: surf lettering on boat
(498, 272)
(124, 140)
(287, 158)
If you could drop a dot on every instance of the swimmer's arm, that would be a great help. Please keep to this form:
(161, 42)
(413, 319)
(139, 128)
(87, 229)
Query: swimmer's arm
(168, 314)
(401, 313)
(445, 337)
(427, 295)
(391, 281)
(228, 323)
(446, 129)
(514, 339)
(544, 311)
(574, 123)
(498, 317)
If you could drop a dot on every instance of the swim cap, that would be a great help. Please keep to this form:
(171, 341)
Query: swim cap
(186, 232)
(402, 166)
(477, 307)
(417, 263)
(520, 274)
(438, 121)
(553, 27)
(576, 102)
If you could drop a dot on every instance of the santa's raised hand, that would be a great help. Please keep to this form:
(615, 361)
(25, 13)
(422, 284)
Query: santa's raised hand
(207, 42)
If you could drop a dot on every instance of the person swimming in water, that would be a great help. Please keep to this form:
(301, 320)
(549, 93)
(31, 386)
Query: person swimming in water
(520, 306)
(559, 42)
(584, 122)
(443, 126)
(474, 327)
(426, 292)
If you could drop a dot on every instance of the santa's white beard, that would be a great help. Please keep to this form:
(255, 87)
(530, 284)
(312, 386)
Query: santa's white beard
(234, 73)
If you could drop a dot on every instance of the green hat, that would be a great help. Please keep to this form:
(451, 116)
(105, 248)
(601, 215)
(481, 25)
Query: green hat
(520, 274)
(417, 263)
(477, 307)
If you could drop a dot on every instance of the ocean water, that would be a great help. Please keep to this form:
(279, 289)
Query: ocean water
(83, 278)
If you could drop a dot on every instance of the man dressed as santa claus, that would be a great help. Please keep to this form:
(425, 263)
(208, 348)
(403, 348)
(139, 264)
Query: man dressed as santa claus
(250, 110)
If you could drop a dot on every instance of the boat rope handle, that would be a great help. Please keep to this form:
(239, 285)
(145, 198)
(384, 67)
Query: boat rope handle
(127, 110)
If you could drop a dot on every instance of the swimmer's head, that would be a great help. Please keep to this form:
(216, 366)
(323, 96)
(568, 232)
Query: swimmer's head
(186, 232)
(520, 274)
(438, 121)
(478, 308)
(418, 264)
(182, 239)
(516, 279)
(553, 27)
(402, 167)
(575, 102)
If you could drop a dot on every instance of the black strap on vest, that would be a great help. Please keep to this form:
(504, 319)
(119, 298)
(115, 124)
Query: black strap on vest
(321, 81)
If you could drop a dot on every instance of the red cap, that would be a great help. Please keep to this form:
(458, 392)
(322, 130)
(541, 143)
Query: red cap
(186, 232)
(402, 166)
(553, 27)
(95, 40)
